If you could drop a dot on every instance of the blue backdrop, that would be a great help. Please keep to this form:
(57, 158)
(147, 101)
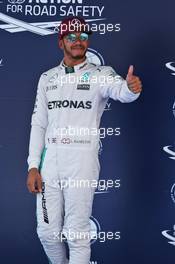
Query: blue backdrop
(142, 207)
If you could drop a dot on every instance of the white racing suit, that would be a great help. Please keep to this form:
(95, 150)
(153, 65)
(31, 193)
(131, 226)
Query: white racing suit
(70, 98)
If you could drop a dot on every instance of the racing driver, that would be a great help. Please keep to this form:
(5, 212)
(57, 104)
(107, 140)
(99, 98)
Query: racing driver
(68, 97)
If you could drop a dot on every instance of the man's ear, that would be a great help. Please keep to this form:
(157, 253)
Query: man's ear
(60, 43)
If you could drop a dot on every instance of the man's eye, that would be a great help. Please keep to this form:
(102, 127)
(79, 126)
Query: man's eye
(83, 38)
(72, 39)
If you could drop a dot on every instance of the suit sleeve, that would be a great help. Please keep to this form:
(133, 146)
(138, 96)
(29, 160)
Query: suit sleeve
(39, 124)
(116, 87)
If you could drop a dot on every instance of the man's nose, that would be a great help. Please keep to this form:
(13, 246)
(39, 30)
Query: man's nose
(78, 41)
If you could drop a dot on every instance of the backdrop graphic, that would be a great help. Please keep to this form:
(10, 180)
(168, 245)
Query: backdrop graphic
(140, 209)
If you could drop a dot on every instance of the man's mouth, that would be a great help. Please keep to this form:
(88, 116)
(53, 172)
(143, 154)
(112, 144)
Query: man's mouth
(78, 48)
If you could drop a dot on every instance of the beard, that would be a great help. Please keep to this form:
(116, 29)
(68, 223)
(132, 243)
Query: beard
(75, 57)
(78, 57)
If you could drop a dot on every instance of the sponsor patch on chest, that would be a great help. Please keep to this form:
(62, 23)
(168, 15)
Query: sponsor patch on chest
(83, 86)
(51, 88)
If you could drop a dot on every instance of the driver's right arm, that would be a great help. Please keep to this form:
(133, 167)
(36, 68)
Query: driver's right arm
(38, 129)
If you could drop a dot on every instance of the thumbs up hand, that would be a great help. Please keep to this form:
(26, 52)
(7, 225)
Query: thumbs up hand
(134, 83)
